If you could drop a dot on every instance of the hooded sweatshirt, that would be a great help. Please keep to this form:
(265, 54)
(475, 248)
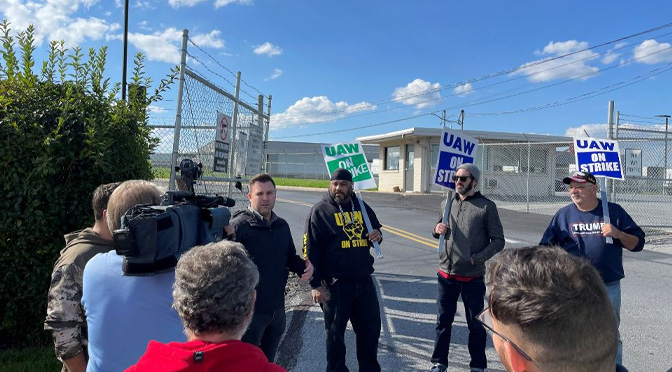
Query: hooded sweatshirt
(335, 241)
(201, 356)
(65, 315)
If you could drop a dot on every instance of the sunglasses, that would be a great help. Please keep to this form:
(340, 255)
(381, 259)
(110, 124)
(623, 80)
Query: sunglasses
(461, 178)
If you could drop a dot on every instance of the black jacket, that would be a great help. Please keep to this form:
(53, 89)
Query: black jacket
(336, 249)
(272, 249)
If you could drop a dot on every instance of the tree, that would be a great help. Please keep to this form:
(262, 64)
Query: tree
(62, 134)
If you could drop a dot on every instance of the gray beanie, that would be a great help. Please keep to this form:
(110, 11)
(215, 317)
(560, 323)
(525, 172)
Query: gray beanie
(472, 169)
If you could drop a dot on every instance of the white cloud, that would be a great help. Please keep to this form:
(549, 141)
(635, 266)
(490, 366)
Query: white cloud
(53, 20)
(156, 109)
(651, 52)
(143, 5)
(316, 109)
(181, 3)
(588, 130)
(268, 49)
(164, 46)
(610, 57)
(463, 90)
(570, 67)
(117, 3)
(276, 74)
(419, 93)
(209, 40)
(221, 3)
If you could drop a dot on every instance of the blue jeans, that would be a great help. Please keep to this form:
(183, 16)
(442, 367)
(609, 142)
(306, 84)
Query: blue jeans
(614, 292)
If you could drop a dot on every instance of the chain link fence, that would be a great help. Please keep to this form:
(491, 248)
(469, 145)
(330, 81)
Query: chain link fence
(528, 177)
(215, 128)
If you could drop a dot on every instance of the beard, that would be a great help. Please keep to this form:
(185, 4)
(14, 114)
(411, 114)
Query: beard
(464, 190)
(341, 198)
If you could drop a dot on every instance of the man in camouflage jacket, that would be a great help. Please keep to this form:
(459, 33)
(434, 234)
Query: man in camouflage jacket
(65, 315)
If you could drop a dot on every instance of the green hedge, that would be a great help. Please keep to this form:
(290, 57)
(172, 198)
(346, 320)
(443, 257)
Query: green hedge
(62, 134)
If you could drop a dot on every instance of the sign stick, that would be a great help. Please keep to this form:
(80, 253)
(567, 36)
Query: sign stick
(605, 205)
(445, 219)
(367, 222)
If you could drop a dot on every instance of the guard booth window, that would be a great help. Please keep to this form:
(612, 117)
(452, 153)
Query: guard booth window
(392, 158)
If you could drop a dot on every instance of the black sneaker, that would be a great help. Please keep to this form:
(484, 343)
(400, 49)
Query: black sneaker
(438, 368)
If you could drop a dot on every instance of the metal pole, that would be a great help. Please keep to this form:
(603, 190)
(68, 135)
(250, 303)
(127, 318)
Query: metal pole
(667, 123)
(610, 135)
(123, 74)
(613, 184)
(178, 114)
(234, 122)
(267, 127)
(260, 122)
(528, 175)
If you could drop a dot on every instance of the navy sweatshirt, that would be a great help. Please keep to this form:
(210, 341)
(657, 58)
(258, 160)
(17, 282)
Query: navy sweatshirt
(580, 233)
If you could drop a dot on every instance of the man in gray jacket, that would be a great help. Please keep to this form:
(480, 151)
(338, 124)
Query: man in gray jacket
(474, 234)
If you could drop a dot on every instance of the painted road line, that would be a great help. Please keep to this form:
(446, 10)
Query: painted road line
(386, 228)
(428, 240)
(294, 202)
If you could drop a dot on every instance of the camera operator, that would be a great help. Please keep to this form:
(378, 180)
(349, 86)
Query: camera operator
(125, 312)
(268, 240)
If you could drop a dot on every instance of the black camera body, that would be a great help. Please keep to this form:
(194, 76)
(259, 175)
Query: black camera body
(153, 237)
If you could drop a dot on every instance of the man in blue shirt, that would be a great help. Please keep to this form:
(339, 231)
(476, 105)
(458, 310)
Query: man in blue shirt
(579, 228)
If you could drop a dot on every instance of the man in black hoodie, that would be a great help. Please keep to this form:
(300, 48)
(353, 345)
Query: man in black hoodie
(337, 242)
(268, 241)
(474, 234)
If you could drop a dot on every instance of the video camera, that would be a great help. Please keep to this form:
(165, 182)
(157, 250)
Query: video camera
(153, 237)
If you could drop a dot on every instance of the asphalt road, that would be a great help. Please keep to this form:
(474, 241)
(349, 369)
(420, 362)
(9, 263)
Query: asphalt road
(406, 281)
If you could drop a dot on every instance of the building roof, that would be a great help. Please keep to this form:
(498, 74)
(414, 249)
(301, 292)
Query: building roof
(482, 136)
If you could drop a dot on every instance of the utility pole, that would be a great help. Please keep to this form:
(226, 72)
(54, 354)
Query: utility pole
(123, 74)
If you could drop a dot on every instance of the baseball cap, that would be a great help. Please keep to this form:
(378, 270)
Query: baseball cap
(580, 177)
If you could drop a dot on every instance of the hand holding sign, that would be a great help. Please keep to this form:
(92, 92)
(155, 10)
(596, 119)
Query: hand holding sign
(351, 156)
(601, 157)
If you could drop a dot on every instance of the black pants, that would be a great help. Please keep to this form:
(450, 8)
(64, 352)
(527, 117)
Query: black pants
(356, 301)
(265, 331)
(472, 296)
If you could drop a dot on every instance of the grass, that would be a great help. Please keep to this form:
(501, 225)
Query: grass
(300, 182)
(35, 359)
(280, 181)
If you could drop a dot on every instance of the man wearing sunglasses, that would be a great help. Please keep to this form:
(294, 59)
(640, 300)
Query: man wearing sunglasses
(549, 311)
(473, 234)
(579, 228)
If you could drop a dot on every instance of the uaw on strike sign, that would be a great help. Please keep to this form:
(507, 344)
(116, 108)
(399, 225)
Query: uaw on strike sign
(598, 156)
(351, 157)
(455, 149)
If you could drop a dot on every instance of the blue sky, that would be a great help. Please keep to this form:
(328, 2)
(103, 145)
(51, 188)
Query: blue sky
(358, 68)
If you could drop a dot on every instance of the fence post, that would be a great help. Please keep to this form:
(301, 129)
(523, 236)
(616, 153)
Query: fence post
(529, 145)
(232, 154)
(268, 125)
(260, 123)
(610, 135)
(178, 114)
